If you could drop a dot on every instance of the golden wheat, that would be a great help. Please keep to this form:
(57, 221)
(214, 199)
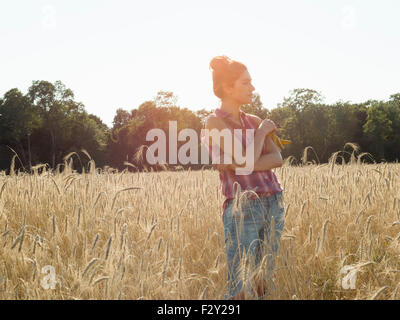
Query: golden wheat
(166, 240)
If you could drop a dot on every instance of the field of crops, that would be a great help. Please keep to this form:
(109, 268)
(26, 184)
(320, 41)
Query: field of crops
(159, 235)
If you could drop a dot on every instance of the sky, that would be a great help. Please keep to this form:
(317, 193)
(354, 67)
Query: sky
(119, 54)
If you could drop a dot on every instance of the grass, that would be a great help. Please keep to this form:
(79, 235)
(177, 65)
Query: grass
(159, 235)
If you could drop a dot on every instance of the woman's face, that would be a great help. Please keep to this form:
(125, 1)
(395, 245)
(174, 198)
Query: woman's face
(242, 90)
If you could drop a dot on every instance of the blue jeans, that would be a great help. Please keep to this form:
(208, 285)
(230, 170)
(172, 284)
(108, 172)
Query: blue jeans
(248, 232)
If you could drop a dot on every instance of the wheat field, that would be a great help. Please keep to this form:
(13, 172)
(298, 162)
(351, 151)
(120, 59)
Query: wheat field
(159, 235)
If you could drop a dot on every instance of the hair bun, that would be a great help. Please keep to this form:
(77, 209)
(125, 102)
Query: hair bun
(220, 62)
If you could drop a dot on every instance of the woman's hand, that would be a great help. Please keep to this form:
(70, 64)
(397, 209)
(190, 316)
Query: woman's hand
(268, 126)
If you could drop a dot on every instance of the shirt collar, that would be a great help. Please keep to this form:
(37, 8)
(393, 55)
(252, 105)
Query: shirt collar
(221, 113)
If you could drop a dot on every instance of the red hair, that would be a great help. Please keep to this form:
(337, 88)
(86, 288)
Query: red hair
(225, 71)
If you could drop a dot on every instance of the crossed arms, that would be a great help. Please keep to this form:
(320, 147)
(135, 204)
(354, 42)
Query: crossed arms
(270, 159)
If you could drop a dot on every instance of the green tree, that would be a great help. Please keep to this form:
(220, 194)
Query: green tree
(202, 114)
(66, 123)
(54, 101)
(256, 107)
(378, 128)
(121, 118)
(382, 127)
(129, 132)
(18, 121)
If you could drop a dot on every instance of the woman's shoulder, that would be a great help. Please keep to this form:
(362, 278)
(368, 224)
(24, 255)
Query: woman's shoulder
(254, 118)
(214, 122)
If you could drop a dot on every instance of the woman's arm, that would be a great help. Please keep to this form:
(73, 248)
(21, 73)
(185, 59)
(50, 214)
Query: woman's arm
(267, 161)
(259, 138)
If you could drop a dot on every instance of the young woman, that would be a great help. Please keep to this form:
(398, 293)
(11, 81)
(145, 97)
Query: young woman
(248, 232)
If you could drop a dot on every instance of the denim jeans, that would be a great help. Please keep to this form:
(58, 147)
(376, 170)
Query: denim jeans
(248, 233)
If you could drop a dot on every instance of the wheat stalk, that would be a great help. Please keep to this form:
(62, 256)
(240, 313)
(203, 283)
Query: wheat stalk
(108, 247)
(88, 266)
(100, 280)
(378, 293)
(126, 189)
(2, 188)
(323, 234)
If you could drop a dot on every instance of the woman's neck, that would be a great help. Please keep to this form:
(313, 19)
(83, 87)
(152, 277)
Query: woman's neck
(231, 108)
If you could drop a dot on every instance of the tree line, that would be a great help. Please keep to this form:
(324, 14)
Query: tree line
(46, 124)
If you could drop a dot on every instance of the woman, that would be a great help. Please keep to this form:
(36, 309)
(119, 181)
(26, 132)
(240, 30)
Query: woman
(248, 233)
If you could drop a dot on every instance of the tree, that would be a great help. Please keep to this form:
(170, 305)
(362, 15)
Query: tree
(202, 114)
(55, 103)
(382, 127)
(18, 121)
(395, 98)
(165, 99)
(300, 99)
(121, 118)
(66, 122)
(378, 128)
(256, 107)
(130, 137)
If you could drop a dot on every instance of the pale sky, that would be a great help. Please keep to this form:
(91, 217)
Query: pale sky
(118, 54)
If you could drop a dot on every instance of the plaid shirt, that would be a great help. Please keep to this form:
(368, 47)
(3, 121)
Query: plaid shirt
(263, 183)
